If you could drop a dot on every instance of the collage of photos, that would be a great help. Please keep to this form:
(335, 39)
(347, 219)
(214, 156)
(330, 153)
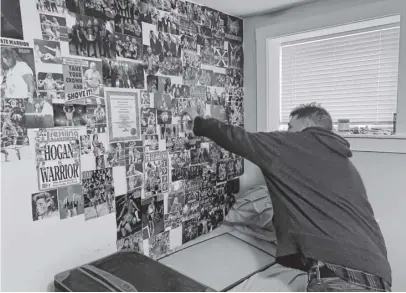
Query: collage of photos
(112, 78)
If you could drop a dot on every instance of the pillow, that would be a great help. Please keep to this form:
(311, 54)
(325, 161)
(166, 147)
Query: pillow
(252, 214)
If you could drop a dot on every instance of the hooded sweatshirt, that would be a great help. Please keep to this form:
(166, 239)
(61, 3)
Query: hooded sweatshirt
(321, 209)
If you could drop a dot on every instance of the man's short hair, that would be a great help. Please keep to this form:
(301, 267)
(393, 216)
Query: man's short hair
(315, 113)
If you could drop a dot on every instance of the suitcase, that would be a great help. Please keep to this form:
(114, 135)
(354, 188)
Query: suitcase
(125, 271)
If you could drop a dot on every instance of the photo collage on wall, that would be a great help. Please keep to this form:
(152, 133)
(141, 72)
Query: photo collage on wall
(94, 95)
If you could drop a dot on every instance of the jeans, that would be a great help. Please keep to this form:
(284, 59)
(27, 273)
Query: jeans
(335, 284)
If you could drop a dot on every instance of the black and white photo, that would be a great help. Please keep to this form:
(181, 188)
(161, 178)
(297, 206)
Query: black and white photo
(39, 113)
(115, 155)
(75, 6)
(233, 28)
(45, 205)
(96, 121)
(134, 157)
(209, 175)
(14, 137)
(164, 117)
(167, 22)
(169, 130)
(17, 73)
(148, 121)
(69, 115)
(52, 84)
(159, 245)
(53, 28)
(163, 101)
(128, 26)
(104, 9)
(123, 74)
(216, 96)
(94, 148)
(220, 79)
(128, 214)
(144, 12)
(146, 99)
(129, 47)
(188, 42)
(175, 143)
(133, 242)
(70, 200)
(162, 52)
(98, 193)
(234, 78)
(151, 142)
(152, 211)
(134, 182)
(51, 6)
(180, 159)
(93, 78)
(221, 171)
(47, 51)
(155, 173)
(128, 8)
(207, 53)
(195, 172)
(236, 54)
(175, 204)
(221, 58)
(91, 37)
(191, 59)
(152, 83)
(201, 154)
(189, 230)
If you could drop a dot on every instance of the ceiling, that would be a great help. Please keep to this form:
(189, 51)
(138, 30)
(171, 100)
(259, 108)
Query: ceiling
(244, 8)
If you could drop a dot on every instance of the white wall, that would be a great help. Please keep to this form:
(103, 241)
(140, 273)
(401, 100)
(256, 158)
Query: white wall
(383, 174)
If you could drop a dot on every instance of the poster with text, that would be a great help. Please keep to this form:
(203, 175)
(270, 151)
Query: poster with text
(17, 70)
(57, 157)
(82, 78)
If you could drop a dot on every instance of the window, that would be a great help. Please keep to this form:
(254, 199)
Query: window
(350, 70)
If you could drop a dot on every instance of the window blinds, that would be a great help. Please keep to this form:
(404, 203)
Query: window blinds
(353, 75)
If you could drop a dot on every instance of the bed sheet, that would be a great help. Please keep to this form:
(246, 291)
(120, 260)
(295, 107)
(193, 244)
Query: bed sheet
(277, 278)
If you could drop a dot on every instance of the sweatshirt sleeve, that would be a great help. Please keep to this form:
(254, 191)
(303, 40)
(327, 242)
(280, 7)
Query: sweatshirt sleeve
(259, 148)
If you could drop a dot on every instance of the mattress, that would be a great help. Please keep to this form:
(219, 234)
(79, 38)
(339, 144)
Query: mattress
(223, 258)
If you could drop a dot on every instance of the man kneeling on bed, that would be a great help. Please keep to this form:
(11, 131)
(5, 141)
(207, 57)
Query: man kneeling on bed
(324, 222)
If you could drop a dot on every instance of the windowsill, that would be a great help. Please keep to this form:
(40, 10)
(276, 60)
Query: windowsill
(393, 144)
(374, 136)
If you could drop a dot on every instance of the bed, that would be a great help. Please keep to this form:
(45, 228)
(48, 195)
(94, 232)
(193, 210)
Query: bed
(240, 254)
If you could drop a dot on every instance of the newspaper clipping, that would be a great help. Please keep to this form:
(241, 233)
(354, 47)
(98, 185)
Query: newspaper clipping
(57, 157)
(82, 78)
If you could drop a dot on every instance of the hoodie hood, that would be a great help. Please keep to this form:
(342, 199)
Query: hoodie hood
(331, 140)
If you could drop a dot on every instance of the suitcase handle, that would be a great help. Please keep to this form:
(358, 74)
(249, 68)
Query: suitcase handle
(110, 279)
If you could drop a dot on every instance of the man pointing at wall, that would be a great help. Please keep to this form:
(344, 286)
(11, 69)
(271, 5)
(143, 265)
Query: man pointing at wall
(324, 222)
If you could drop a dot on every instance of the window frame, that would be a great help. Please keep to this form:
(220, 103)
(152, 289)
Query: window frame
(269, 39)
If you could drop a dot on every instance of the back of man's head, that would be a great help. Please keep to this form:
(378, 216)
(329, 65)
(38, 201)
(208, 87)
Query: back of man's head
(310, 115)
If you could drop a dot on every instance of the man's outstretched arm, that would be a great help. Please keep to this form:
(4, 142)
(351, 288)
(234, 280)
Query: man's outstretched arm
(256, 147)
